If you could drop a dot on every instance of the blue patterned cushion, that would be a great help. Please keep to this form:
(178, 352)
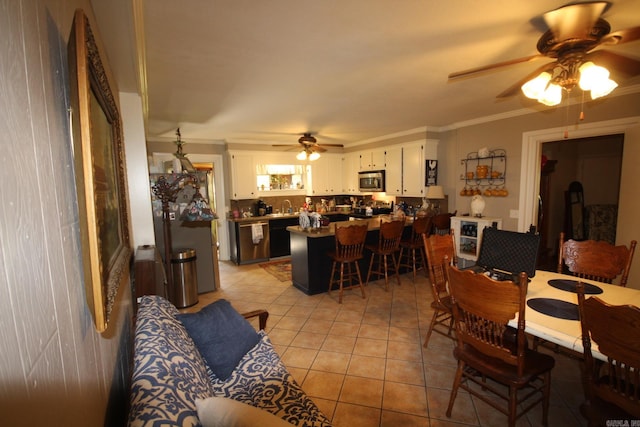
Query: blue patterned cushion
(169, 374)
(262, 380)
(221, 334)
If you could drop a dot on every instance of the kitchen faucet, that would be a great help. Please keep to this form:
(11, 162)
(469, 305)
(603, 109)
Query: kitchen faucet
(290, 205)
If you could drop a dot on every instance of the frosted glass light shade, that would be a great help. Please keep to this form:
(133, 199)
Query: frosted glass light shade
(534, 88)
(302, 155)
(314, 156)
(552, 95)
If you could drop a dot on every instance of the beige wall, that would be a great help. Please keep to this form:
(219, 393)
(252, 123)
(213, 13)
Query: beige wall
(55, 370)
(508, 133)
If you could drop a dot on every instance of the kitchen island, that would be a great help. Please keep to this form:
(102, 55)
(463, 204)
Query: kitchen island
(310, 264)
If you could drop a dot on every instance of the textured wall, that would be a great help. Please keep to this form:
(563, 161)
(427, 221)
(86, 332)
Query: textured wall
(52, 361)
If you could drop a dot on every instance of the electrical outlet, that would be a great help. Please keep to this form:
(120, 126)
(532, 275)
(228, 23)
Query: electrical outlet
(514, 213)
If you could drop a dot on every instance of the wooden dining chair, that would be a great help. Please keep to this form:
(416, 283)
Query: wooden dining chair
(412, 255)
(348, 251)
(595, 259)
(440, 250)
(486, 348)
(441, 223)
(385, 252)
(612, 387)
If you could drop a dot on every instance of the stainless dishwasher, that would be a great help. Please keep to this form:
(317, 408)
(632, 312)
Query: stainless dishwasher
(250, 251)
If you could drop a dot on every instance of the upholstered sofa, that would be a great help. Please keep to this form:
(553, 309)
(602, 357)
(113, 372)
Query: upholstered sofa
(185, 371)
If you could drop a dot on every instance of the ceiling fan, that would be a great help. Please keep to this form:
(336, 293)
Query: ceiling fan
(310, 146)
(575, 30)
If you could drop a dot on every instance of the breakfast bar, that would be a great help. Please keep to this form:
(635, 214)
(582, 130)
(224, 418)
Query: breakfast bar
(310, 265)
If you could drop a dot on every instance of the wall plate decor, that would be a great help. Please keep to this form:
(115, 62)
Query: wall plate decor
(100, 174)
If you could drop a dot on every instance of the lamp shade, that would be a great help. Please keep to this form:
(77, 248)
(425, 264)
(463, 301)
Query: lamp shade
(435, 192)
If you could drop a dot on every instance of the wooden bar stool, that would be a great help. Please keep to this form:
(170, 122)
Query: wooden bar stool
(349, 248)
(413, 246)
(387, 246)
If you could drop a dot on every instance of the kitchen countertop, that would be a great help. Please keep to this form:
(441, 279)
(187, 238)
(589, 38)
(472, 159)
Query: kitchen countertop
(330, 230)
(279, 216)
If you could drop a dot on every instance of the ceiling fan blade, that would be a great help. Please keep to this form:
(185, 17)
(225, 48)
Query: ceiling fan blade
(574, 21)
(622, 36)
(333, 145)
(515, 88)
(318, 149)
(471, 71)
(619, 65)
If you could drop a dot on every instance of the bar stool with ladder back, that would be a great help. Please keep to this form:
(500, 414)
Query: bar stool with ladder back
(387, 246)
(412, 255)
(348, 251)
(441, 223)
(440, 250)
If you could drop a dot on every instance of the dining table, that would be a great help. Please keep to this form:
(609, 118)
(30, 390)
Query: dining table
(552, 307)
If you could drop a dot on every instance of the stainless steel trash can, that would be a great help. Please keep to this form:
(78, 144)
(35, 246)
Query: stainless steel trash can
(185, 278)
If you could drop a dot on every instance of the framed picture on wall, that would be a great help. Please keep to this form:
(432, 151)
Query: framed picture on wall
(431, 173)
(100, 174)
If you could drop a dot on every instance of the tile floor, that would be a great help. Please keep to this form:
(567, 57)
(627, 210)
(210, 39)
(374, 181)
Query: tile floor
(363, 362)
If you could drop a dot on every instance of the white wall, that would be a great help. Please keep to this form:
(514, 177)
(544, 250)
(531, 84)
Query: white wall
(55, 369)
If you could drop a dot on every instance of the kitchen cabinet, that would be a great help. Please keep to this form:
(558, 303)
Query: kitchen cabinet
(413, 170)
(326, 175)
(468, 236)
(243, 176)
(394, 171)
(279, 245)
(372, 160)
(350, 168)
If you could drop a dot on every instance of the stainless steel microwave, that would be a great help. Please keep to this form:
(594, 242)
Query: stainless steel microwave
(371, 181)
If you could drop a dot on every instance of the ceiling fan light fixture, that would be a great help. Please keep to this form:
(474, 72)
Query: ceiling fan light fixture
(302, 155)
(314, 156)
(536, 87)
(552, 95)
(603, 88)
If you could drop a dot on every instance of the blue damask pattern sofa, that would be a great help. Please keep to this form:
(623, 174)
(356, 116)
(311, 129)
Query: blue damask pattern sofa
(170, 374)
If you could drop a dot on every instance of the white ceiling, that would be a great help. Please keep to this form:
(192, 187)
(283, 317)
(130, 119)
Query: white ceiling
(348, 70)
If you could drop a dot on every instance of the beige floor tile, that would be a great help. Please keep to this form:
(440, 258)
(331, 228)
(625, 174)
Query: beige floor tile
(324, 385)
(329, 361)
(409, 399)
(403, 371)
(324, 313)
(299, 357)
(348, 415)
(362, 391)
(339, 343)
(463, 409)
(317, 326)
(349, 317)
(367, 366)
(411, 335)
(298, 374)
(282, 336)
(344, 329)
(299, 311)
(308, 340)
(396, 419)
(378, 332)
(411, 351)
(327, 407)
(370, 347)
(292, 323)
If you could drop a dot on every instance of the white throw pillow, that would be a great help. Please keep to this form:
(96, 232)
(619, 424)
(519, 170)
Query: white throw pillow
(223, 412)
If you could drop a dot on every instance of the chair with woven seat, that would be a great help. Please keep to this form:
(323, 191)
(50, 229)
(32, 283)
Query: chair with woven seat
(412, 255)
(595, 259)
(385, 251)
(348, 251)
(440, 250)
(612, 387)
(486, 347)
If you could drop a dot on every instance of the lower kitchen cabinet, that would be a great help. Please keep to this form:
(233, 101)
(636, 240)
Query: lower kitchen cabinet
(279, 242)
(467, 231)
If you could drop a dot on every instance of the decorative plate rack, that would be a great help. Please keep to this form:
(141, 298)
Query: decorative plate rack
(485, 175)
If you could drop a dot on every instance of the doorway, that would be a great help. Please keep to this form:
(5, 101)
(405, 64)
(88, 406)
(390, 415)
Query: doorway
(595, 165)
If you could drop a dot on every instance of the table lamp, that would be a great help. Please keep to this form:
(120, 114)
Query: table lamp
(436, 193)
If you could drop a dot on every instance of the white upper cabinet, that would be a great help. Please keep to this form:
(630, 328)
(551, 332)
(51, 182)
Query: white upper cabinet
(393, 171)
(372, 160)
(243, 175)
(326, 175)
(350, 168)
(413, 170)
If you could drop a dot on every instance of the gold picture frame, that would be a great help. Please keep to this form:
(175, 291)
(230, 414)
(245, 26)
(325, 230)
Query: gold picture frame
(100, 174)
